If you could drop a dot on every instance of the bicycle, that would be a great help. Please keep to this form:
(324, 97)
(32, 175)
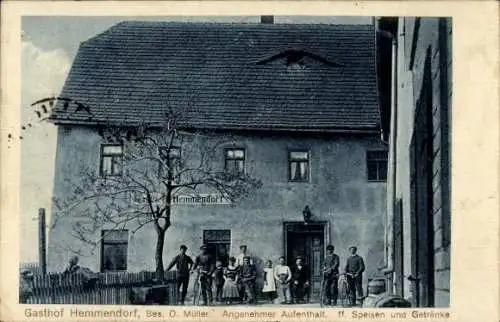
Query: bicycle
(345, 291)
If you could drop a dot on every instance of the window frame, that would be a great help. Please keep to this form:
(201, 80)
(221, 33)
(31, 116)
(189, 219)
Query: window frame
(226, 159)
(176, 172)
(112, 155)
(377, 161)
(290, 160)
(104, 243)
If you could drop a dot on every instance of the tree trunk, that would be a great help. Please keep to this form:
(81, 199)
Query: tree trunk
(159, 251)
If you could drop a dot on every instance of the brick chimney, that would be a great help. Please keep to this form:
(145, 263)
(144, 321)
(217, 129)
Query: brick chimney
(267, 19)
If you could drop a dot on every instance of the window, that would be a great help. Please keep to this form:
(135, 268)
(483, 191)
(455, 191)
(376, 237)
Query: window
(376, 164)
(219, 244)
(111, 160)
(114, 250)
(235, 161)
(172, 157)
(298, 168)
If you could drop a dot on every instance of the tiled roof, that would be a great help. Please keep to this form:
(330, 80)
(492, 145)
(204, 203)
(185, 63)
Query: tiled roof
(228, 76)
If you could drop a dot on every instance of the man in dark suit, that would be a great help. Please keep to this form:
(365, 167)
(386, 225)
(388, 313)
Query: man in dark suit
(183, 264)
(300, 278)
(354, 269)
(331, 276)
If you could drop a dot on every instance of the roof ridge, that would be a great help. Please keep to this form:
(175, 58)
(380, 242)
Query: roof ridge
(270, 25)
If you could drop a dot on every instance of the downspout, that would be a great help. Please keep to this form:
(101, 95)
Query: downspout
(394, 146)
(389, 269)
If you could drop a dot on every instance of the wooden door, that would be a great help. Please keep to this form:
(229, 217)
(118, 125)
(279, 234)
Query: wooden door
(316, 260)
(309, 246)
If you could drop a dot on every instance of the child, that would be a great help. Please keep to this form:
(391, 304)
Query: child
(230, 291)
(269, 284)
(218, 276)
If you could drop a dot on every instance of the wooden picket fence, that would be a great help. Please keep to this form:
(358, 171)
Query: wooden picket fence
(100, 288)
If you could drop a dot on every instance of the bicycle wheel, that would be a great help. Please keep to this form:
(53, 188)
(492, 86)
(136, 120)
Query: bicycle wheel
(344, 293)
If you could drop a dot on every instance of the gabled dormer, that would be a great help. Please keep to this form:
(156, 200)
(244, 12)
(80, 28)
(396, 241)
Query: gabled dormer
(296, 57)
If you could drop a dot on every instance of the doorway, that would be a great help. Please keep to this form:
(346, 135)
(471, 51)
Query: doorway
(308, 241)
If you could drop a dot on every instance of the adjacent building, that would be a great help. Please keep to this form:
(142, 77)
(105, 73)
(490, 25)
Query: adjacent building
(301, 101)
(418, 224)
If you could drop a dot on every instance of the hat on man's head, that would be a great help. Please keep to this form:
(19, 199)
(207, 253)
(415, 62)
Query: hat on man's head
(351, 247)
(330, 247)
(183, 247)
(203, 246)
(243, 246)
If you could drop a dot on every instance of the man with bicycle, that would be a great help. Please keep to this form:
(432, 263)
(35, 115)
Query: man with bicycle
(204, 264)
(331, 276)
(354, 269)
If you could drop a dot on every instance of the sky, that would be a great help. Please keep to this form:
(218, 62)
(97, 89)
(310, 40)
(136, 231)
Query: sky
(49, 45)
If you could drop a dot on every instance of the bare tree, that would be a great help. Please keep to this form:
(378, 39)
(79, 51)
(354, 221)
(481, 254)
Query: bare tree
(159, 162)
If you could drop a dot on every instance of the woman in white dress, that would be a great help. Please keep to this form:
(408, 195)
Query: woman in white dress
(269, 288)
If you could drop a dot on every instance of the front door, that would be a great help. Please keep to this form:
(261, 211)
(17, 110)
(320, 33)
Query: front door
(307, 241)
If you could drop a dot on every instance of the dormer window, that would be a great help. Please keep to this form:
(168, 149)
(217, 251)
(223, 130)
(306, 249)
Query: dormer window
(294, 58)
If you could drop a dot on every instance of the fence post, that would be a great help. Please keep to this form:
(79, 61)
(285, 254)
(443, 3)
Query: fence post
(42, 256)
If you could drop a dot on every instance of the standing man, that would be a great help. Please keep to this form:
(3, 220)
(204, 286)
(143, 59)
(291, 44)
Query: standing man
(300, 277)
(239, 263)
(241, 256)
(183, 263)
(204, 264)
(283, 276)
(248, 275)
(354, 268)
(331, 276)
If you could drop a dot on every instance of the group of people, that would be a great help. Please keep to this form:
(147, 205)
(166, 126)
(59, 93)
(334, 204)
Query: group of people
(293, 284)
(353, 271)
(234, 279)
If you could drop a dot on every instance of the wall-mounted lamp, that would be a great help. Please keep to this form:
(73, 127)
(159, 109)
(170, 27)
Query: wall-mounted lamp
(306, 213)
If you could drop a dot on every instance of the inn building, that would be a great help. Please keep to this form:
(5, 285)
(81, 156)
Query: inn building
(300, 101)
